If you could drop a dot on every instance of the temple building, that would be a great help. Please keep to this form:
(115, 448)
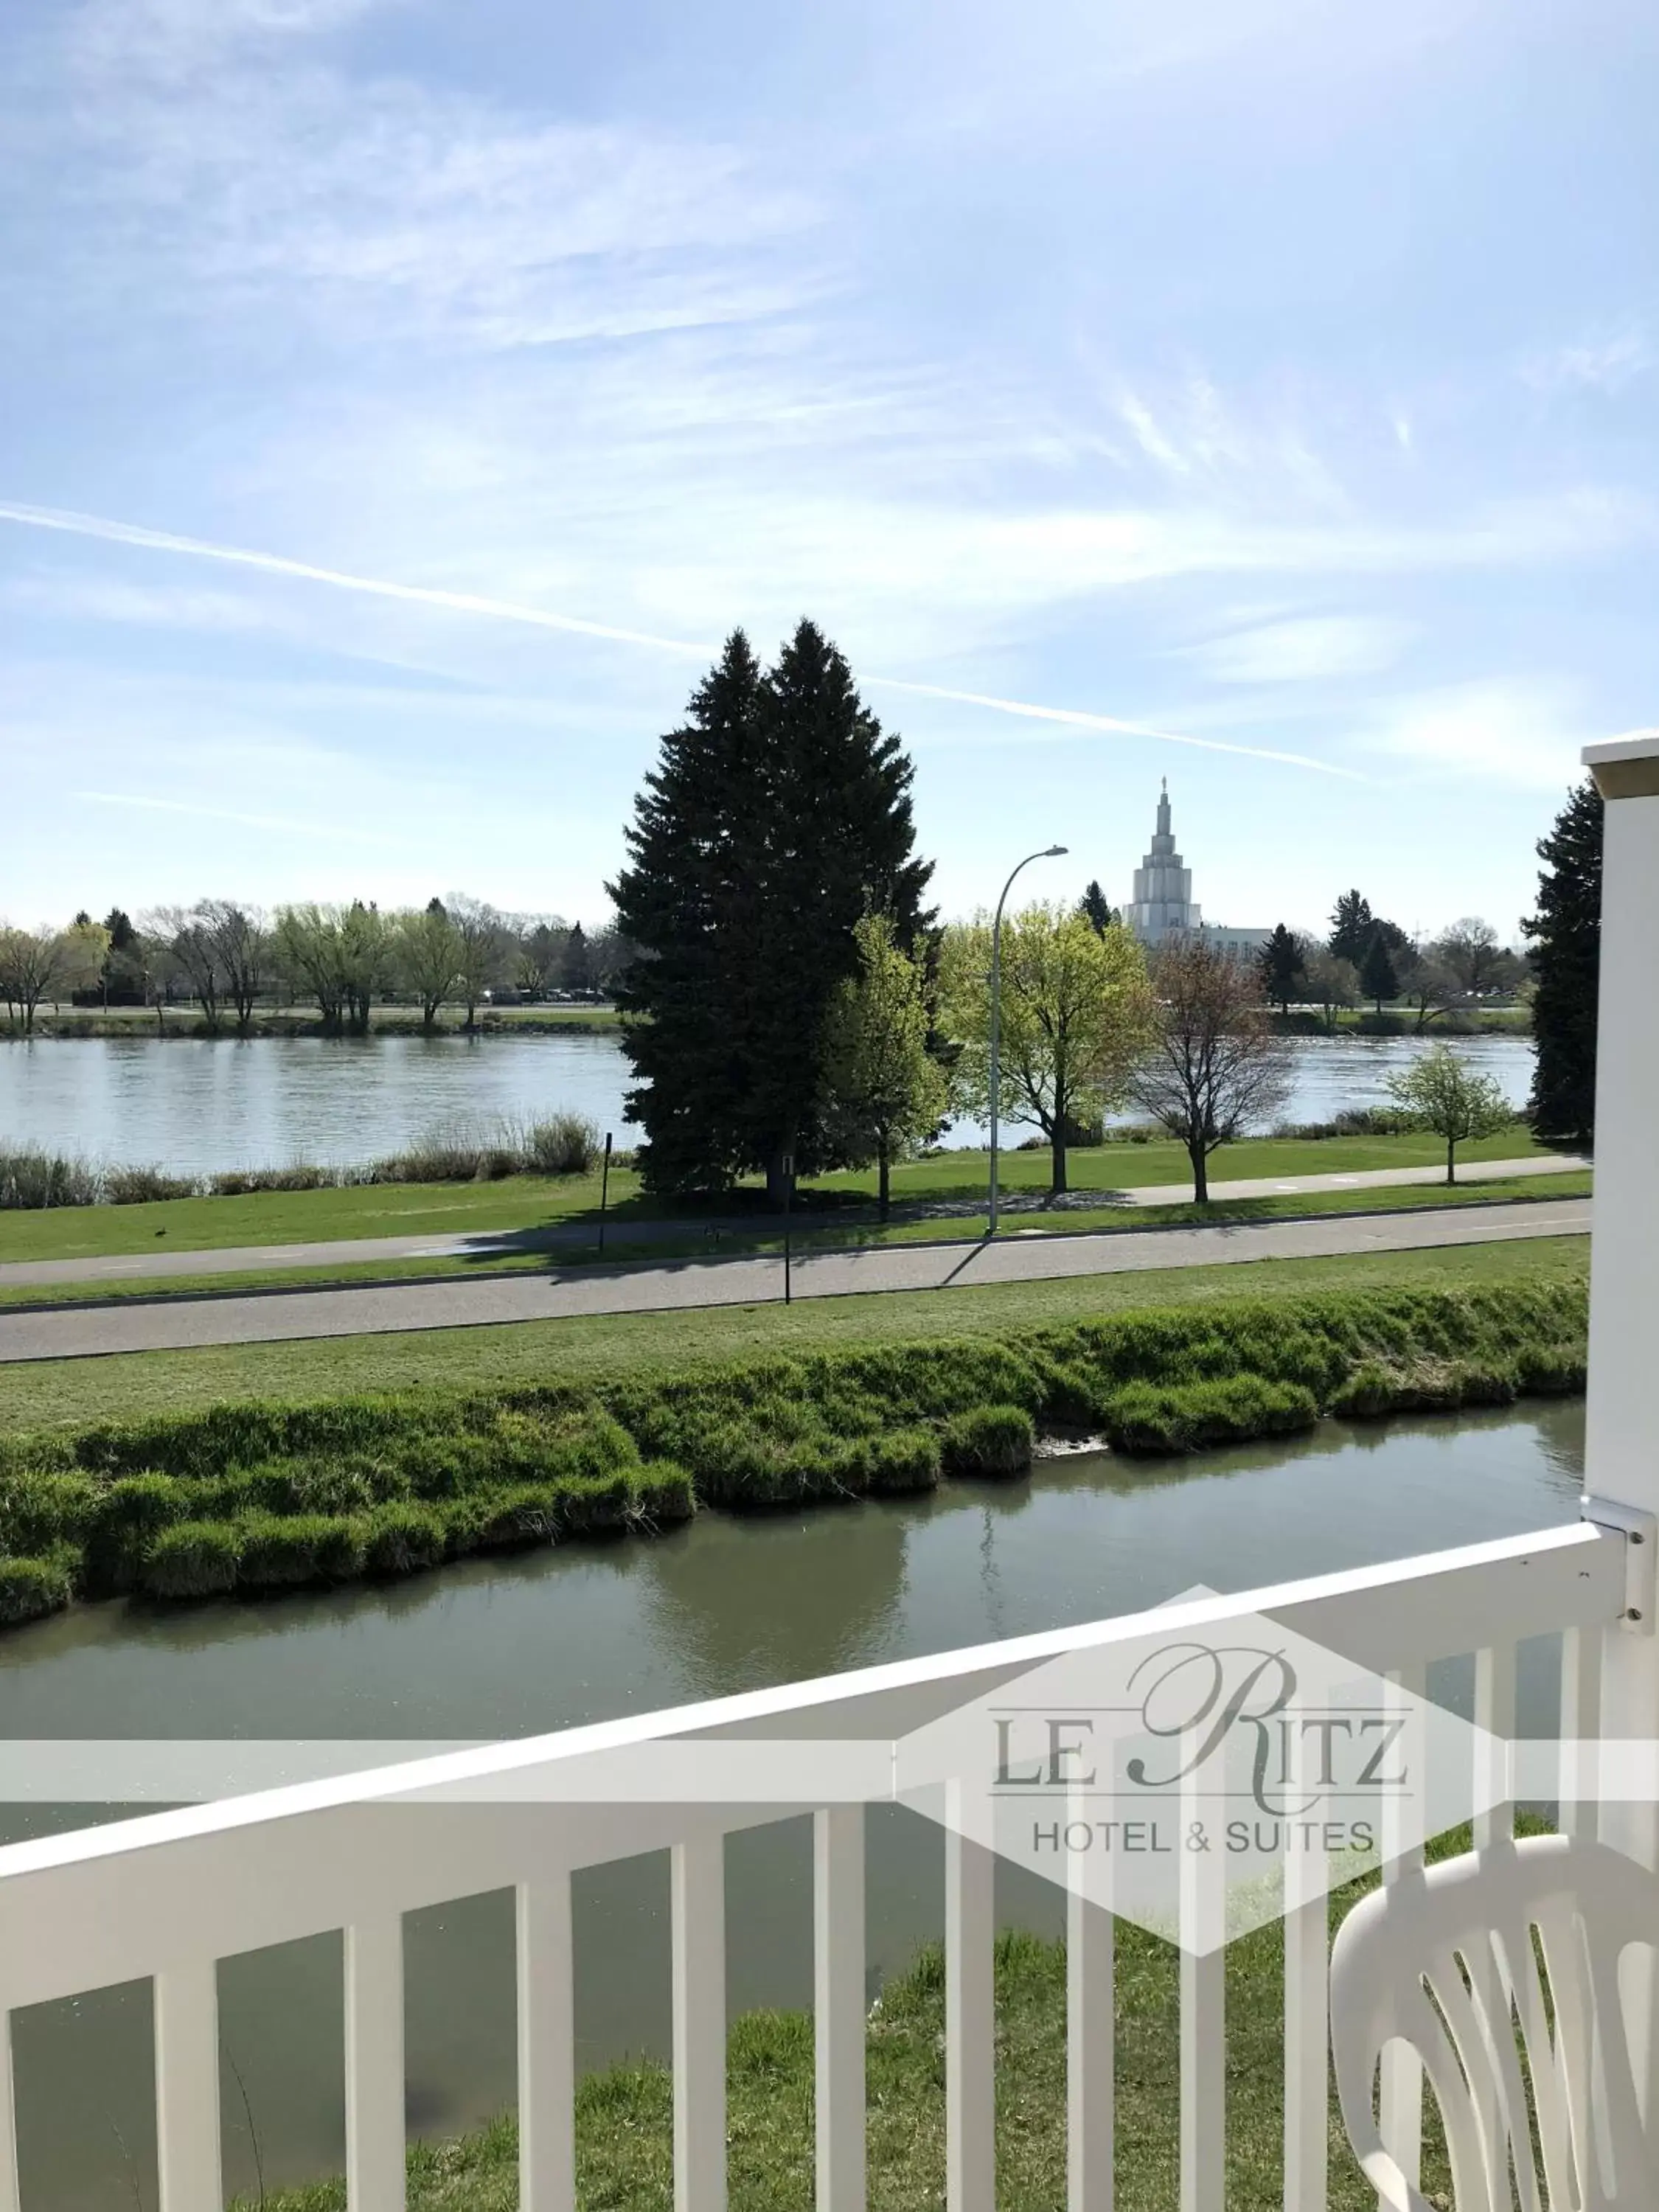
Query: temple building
(1162, 906)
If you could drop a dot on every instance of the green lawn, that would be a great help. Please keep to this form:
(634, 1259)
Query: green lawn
(531, 1201)
(41, 1393)
(624, 2118)
(734, 1244)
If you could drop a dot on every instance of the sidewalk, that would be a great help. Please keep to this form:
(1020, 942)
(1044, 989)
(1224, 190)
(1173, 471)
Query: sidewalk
(266, 1316)
(251, 1259)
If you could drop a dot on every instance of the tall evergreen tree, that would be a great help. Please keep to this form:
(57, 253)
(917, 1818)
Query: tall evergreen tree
(681, 901)
(1281, 968)
(1352, 927)
(1378, 979)
(775, 819)
(1566, 952)
(832, 839)
(1096, 909)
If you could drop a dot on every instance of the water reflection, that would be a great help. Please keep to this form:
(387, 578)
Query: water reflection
(551, 1639)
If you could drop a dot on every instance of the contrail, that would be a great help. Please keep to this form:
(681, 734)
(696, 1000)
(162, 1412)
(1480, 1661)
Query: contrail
(1078, 719)
(278, 564)
(473, 603)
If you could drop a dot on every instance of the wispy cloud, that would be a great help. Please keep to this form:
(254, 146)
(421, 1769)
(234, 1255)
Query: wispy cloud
(321, 825)
(1606, 363)
(1508, 732)
(1310, 649)
(471, 603)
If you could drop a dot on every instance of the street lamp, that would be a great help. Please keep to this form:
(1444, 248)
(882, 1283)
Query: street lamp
(1049, 852)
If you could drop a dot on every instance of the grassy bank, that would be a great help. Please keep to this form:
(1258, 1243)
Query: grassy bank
(527, 1203)
(260, 1494)
(624, 2117)
(596, 1347)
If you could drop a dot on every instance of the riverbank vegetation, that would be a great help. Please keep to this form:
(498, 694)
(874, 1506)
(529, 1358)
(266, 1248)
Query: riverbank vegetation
(579, 1348)
(260, 1494)
(563, 1145)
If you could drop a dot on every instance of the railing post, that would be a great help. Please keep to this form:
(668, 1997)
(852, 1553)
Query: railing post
(971, 2101)
(697, 1883)
(374, 2092)
(187, 2145)
(8, 2188)
(547, 2046)
(1621, 1461)
(838, 2013)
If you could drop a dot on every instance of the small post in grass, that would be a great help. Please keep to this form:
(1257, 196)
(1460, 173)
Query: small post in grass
(604, 1190)
(788, 1192)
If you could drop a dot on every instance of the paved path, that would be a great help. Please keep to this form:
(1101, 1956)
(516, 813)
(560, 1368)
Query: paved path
(136, 1325)
(251, 1259)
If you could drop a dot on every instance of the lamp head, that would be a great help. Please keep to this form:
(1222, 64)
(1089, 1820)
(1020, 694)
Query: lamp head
(1054, 852)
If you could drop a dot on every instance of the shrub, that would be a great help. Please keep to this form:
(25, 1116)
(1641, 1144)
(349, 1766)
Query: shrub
(39, 1509)
(31, 1587)
(401, 1539)
(1551, 1370)
(1144, 1419)
(661, 1494)
(565, 1143)
(1372, 1390)
(908, 1459)
(129, 1519)
(590, 1505)
(298, 1175)
(192, 1559)
(300, 1547)
(137, 1186)
(32, 1178)
(502, 1520)
(994, 1440)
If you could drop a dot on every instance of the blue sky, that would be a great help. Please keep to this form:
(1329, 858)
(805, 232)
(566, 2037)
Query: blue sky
(1279, 376)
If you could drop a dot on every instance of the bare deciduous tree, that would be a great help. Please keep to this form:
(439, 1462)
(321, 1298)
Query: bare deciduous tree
(1217, 1070)
(241, 944)
(40, 964)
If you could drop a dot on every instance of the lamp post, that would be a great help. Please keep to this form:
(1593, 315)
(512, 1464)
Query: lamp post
(1049, 852)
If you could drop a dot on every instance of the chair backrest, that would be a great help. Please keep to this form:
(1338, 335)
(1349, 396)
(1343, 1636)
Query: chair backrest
(1500, 1969)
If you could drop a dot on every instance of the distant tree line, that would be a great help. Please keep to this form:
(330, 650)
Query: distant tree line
(230, 959)
(1366, 959)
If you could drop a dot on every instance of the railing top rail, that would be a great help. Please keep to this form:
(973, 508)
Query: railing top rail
(1432, 1605)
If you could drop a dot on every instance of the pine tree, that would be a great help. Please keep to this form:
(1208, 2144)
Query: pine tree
(775, 819)
(1352, 927)
(1281, 968)
(1567, 942)
(681, 901)
(1377, 977)
(1096, 909)
(832, 839)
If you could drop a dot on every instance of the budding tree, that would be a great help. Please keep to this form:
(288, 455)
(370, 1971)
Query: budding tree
(1216, 1069)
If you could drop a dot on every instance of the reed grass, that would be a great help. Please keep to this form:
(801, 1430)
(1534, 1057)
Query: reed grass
(562, 1143)
(556, 1461)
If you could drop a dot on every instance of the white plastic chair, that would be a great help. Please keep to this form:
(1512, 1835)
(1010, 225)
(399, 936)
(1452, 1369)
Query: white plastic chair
(1448, 1960)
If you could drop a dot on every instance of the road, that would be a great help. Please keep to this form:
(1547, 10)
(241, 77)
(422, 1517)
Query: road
(251, 1259)
(449, 1302)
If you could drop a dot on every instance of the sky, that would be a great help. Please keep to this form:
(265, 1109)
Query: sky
(399, 402)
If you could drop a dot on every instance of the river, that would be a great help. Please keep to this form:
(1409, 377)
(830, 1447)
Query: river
(553, 1639)
(191, 1105)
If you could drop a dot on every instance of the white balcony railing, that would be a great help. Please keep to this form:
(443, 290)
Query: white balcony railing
(168, 1896)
